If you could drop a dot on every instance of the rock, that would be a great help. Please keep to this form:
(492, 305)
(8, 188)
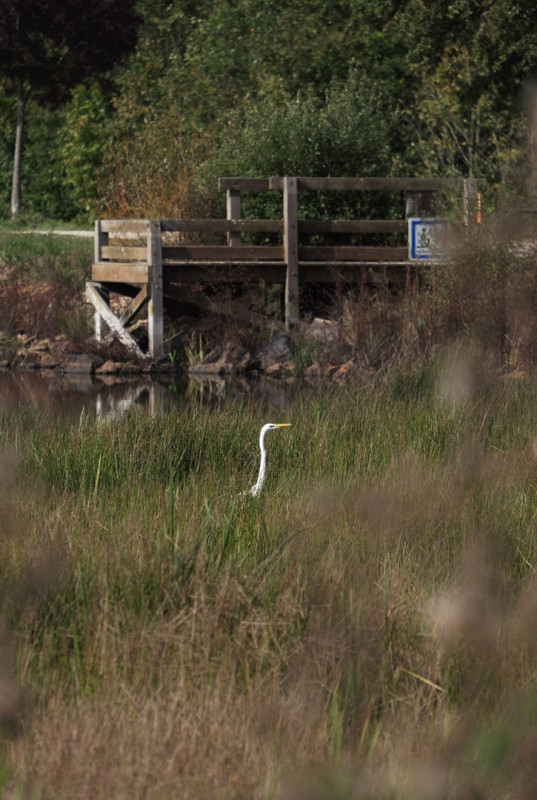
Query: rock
(323, 330)
(41, 346)
(30, 360)
(80, 363)
(276, 351)
(344, 370)
(109, 368)
(313, 372)
(231, 358)
(130, 368)
(165, 367)
(47, 361)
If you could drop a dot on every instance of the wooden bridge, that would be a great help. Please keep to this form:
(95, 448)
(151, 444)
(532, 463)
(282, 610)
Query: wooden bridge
(151, 261)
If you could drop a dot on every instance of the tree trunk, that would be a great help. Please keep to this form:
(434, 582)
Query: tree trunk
(17, 161)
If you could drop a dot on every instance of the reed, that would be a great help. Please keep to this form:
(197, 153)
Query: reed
(362, 629)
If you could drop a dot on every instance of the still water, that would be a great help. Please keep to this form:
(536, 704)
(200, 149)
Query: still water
(71, 395)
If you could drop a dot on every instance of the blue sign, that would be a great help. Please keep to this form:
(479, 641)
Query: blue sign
(425, 238)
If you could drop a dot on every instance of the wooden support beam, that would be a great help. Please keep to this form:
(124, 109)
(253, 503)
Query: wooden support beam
(112, 272)
(358, 254)
(156, 303)
(244, 184)
(370, 184)
(222, 225)
(99, 319)
(470, 200)
(233, 211)
(200, 252)
(353, 226)
(290, 240)
(136, 304)
(129, 227)
(122, 253)
(101, 306)
(100, 240)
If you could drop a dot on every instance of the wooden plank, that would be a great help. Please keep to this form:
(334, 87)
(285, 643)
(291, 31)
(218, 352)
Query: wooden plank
(136, 304)
(120, 253)
(100, 240)
(358, 254)
(99, 320)
(124, 226)
(370, 184)
(290, 240)
(220, 253)
(309, 272)
(156, 305)
(225, 272)
(349, 272)
(112, 272)
(233, 211)
(353, 226)
(222, 225)
(244, 184)
(127, 289)
(102, 307)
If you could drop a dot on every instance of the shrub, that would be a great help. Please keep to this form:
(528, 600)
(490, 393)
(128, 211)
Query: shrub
(346, 132)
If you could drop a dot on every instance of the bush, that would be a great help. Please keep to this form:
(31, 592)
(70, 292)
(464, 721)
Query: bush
(347, 132)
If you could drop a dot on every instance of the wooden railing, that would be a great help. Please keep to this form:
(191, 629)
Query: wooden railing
(156, 254)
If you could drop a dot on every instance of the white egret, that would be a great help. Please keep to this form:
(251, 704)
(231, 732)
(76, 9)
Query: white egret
(256, 488)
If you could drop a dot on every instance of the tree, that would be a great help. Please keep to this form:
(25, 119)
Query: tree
(470, 61)
(47, 49)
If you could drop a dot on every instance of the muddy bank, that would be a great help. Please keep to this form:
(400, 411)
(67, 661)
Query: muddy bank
(313, 351)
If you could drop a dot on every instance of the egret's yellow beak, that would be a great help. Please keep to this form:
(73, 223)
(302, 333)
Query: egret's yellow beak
(283, 425)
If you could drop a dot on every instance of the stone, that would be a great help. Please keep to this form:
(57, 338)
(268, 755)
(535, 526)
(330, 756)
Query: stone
(313, 372)
(41, 346)
(276, 351)
(47, 361)
(344, 370)
(322, 330)
(30, 360)
(109, 368)
(230, 359)
(80, 363)
(130, 368)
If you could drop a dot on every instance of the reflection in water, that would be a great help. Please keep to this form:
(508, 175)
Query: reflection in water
(111, 398)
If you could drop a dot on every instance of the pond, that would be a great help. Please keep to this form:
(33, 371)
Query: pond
(109, 398)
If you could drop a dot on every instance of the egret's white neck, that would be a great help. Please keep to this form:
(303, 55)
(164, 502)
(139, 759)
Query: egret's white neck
(262, 467)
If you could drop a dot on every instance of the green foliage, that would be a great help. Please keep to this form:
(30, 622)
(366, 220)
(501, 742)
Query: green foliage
(83, 141)
(57, 259)
(374, 603)
(77, 324)
(467, 116)
(45, 190)
(259, 88)
(348, 131)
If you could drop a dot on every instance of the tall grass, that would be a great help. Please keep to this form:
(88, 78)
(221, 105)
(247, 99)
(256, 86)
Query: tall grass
(364, 628)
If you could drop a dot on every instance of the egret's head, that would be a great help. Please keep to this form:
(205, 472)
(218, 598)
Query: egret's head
(271, 425)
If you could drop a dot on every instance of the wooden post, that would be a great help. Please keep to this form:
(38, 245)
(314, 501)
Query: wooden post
(99, 241)
(156, 304)
(470, 201)
(98, 317)
(290, 244)
(93, 295)
(233, 211)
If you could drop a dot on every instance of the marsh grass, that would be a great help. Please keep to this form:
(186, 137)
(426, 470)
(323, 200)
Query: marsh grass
(363, 629)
